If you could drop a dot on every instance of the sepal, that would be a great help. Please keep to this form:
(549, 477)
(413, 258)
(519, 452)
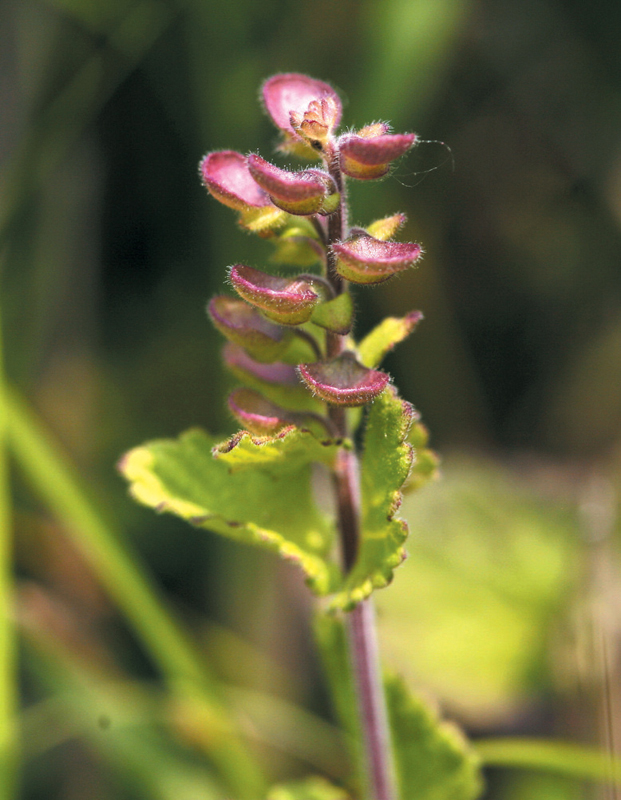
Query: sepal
(369, 157)
(226, 176)
(245, 326)
(385, 336)
(343, 381)
(301, 193)
(336, 315)
(364, 259)
(384, 229)
(289, 301)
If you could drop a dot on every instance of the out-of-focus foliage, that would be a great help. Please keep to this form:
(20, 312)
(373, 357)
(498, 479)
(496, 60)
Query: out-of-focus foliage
(475, 611)
(109, 253)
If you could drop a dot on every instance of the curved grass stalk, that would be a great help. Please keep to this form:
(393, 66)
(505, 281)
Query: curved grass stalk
(563, 758)
(54, 480)
(8, 700)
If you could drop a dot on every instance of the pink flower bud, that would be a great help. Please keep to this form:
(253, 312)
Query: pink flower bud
(226, 175)
(343, 381)
(256, 414)
(240, 363)
(368, 157)
(293, 93)
(301, 193)
(245, 326)
(263, 418)
(289, 301)
(364, 259)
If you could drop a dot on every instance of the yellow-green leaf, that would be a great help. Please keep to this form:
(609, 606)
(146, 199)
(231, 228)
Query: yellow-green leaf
(273, 508)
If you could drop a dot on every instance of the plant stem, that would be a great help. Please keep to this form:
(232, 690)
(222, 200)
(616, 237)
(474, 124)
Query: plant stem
(364, 655)
(363, 651)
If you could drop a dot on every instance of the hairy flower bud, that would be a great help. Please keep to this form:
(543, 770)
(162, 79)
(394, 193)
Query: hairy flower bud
(302, 193)
(226, 175)
(369, 156)
(245, 326)
(364, 259)
(289, 301)
(343, 381)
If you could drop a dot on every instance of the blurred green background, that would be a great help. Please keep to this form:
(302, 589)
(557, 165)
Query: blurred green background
(110, 248)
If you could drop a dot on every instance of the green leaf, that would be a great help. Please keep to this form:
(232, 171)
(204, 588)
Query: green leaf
(336, 315)
(309, 789)
(426, 465)
(385, 336)
(433, 760)
(280, 455)
(262, 220)
(271, 507)
(386, 463)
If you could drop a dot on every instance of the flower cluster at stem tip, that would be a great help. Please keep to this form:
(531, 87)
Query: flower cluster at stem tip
(287, 332)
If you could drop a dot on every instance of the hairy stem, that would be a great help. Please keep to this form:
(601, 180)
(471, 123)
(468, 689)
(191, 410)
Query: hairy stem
(364, 656)
(361, 621)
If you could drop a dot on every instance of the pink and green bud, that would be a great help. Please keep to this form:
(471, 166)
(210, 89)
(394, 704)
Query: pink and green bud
(368, 157)
(302, 193)
(364, 259)
(343, 381)
(241, 364)
(256, 414)
(260, 416)
(226, 175)
(245, 326)
(289, 301)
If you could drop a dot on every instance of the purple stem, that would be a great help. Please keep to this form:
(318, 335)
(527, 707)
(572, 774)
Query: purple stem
(364, 655)
(361, 621)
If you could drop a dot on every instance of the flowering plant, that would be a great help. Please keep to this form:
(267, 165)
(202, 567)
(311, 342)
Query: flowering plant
(311, 392)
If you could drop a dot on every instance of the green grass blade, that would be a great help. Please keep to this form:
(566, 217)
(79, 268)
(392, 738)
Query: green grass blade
(8, 730)
(563, 758)
(54, 480)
